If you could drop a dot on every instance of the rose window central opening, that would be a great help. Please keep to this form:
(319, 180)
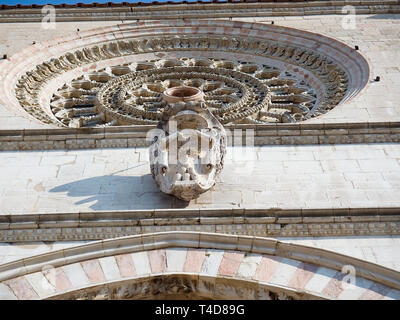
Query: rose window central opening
(182, 94)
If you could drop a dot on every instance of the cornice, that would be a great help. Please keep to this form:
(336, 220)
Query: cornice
(264, 134)
(215, 9)
(265, 222)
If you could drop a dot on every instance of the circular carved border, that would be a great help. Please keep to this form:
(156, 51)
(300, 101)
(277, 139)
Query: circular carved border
(184, 287)
(336, 71)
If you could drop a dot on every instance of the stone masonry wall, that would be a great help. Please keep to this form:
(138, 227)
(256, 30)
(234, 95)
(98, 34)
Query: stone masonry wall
(304, 176)
(325, 176)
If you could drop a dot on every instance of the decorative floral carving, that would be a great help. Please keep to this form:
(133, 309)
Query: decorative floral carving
(239, 91)
(177, 286)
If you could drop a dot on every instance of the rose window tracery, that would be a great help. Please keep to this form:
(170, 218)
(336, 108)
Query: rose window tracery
(250, 74)
(235, 92)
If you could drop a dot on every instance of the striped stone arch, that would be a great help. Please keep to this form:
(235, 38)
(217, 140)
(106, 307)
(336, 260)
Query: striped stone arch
(193, 265)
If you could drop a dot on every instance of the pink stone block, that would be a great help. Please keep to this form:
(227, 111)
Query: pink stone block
(158, 261)
(93, 271)
(58, 279)
(125, 265)
(230, 263)
(334, 286)
(244, 32)
(302, 275)
(21, 288)
(266, 268)
(228, 30)
(194, 260)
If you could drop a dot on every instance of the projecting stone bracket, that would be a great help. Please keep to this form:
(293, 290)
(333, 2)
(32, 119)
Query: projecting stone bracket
(188, 147)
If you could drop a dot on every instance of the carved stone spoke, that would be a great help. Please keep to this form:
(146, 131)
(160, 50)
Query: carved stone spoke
(236, 91)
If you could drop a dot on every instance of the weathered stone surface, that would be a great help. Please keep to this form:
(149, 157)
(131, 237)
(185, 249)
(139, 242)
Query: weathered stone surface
(259, 90)
(92, 194)
(287, 272)
(187, 152)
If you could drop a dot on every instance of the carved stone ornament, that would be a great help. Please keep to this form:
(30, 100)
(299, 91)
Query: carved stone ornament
(270, 82)
(187, 151)
(181, 286)
(56, 82)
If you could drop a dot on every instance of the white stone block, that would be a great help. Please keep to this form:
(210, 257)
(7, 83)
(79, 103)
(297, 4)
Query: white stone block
(379, 165)
(340, 166)
(141, 263)
(176, 259)
(110, 268)
(212, 261)
(76, 275)
(284, 272)
(249, 265)
(354, 291)
(52, 159)
(40, 284)
(320, 279)
(6, 293)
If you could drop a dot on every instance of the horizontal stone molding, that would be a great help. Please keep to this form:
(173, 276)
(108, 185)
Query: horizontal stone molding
(157, 248)
(195, 10)
(135, 136)
(273, 222)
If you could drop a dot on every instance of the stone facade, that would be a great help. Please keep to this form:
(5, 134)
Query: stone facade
(297, 203)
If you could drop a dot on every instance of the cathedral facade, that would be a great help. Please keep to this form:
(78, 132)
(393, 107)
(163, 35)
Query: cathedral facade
(285, 119)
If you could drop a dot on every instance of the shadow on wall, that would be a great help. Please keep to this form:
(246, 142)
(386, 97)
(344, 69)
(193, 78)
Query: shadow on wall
(113, 192)
(385, 16)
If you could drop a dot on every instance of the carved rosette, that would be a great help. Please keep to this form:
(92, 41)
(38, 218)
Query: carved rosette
(244, 80)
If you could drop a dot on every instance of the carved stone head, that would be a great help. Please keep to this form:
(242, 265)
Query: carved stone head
(187, 151)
